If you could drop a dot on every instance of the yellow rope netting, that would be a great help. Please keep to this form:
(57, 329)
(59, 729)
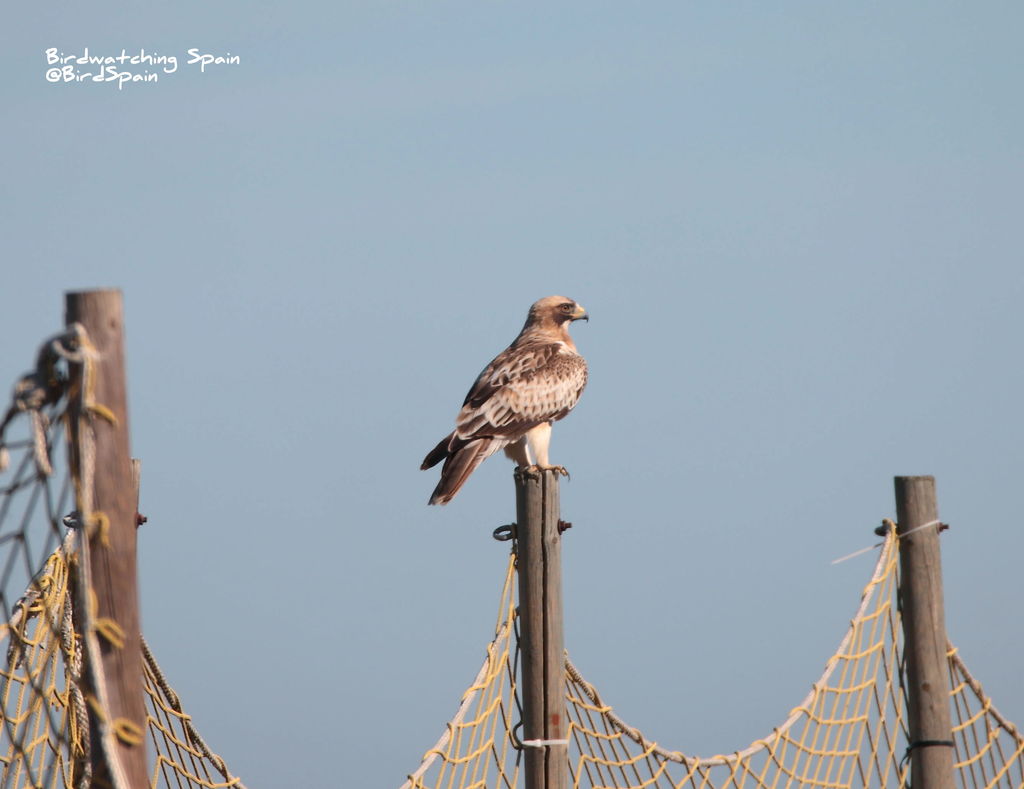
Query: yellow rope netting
(182, 757)
(480, 736)
(849, 731)
(989, 749)
(45, 726)
(40, 725)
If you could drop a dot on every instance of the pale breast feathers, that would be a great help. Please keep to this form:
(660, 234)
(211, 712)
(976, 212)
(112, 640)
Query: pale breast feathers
(521, 388)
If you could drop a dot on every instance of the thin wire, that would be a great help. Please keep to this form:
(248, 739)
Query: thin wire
(880, 544)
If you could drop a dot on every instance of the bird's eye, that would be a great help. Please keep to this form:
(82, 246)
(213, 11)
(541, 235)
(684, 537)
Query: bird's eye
(567, 307)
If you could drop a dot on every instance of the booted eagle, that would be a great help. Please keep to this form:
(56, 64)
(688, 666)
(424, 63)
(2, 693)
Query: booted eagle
(535, 381)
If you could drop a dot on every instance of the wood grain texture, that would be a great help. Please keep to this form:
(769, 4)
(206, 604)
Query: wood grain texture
(542, 683)
(924, 634)
(112, 562)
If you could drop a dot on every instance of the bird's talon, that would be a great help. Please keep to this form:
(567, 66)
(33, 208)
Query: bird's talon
(538, 469)
(532, 472)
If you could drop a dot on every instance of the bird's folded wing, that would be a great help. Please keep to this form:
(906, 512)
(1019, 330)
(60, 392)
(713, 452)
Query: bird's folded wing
(523, 387)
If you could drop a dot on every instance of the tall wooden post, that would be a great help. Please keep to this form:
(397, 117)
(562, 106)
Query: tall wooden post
(924, 634)
(111, 546)
(539, 563)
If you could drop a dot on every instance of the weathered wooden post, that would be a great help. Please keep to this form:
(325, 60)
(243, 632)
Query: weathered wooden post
(539, 563)
(111, 533)
(924, 634)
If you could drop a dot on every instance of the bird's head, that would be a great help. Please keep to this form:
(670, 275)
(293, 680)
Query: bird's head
(555, 312)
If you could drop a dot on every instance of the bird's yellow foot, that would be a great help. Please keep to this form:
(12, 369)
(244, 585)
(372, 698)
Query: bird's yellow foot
(537, 469)
(529, 472)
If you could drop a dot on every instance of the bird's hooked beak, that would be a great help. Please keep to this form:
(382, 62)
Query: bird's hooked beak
(580, 314)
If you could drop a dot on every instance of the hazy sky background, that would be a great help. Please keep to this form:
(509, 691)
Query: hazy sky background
(797, 229)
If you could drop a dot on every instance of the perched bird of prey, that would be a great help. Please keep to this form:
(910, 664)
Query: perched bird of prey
(535, 381)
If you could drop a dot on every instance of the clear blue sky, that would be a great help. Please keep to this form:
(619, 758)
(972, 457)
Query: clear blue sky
(797, 229)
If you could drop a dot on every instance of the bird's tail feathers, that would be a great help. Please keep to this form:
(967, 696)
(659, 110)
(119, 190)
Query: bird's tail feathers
(459, 464)
(438, 453)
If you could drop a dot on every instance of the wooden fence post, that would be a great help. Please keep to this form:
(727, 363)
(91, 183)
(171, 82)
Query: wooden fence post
(924, 634)
(112, 547)
(545, 726)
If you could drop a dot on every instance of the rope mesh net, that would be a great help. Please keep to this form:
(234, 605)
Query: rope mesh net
(45, 730)
(478, 747)
(849, 731)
